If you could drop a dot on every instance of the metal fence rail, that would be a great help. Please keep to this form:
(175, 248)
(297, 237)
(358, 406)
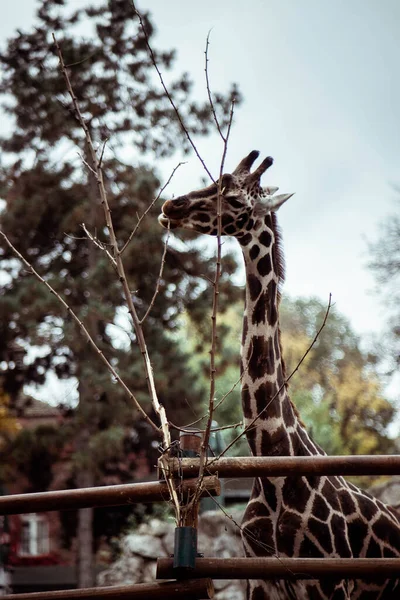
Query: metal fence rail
(286, 568)
(112, 495)
(255, 466)
(276, 466)
(199, 589)
(196, 583)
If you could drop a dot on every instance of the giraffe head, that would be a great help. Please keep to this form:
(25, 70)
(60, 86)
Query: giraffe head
(243, 202)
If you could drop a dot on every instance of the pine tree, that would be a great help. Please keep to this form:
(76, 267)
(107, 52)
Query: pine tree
(49, 193)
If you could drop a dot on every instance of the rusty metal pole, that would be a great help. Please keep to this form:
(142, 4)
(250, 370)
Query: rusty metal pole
(111, 495)
(287, 568)
(199, 589)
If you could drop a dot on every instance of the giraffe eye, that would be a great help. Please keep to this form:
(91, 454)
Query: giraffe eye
(233, 201)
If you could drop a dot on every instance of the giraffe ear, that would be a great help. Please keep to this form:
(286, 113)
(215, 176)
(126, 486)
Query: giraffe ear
(270, 190)
(277, 201)
(271, 203)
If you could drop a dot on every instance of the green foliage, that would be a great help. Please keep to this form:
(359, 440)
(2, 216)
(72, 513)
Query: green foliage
(341, 381)
(336, 389)
(35, 452)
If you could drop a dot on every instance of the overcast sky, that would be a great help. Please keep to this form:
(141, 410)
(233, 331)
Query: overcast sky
(320, 81)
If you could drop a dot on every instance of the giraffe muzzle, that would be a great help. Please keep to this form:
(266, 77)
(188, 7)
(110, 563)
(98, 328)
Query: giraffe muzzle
(168, 223)
(173, 211)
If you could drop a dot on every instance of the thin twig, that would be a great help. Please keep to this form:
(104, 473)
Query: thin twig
(248, 534)
(213, 429)
(158, 283)
(178, 115)
(225, 396)
(286, 381)
(152, 203)
(214, 332)
(245, 532)
(159, 409)
(99, 244)
(83, 329)
(210, 99)
(102, 152)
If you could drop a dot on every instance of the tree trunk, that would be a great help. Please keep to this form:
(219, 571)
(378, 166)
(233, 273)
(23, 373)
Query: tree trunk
(85, 559)
(87, 400)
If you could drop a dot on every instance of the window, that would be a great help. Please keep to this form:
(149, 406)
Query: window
(34, 535)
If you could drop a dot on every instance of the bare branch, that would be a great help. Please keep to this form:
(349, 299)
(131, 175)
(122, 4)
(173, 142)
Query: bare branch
(158, 283)
(248, 427)
(207, 432)
(270, 550)
(225, 396)
(84, 330)
(102, 152)
(216, 289)
(210, 99)
(152, 203)
(213, 429)
(96, 242)
(159, 409)
(178, 115)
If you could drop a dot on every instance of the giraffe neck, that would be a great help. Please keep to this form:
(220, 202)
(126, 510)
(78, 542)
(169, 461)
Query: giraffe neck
(278, 430)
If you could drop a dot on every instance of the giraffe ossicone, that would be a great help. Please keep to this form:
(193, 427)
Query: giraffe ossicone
(315, 516)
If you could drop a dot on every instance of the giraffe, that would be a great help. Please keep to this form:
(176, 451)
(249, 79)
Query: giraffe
(313, 516)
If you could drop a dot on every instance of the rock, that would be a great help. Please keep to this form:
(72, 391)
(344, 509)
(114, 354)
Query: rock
(388, 492)
(126, 570)
(147, 546)
(154, 527)
(235, 591)
(149, 572)
(217, 536)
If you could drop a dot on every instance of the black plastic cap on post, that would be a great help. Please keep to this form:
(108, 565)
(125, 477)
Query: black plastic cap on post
(185, 548)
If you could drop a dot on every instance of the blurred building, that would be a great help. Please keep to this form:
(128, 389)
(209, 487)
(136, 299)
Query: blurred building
(37, 559)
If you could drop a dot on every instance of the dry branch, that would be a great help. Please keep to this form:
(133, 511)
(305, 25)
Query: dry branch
(84, 331)
(176, 110)
(210, 98)
(310, 347)
(204, 448)
(98, 173)
(158, 282)
(152, 203)
(214, 331)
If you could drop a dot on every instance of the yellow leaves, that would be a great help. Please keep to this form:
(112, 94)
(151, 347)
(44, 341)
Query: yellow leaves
(364, 412)
(294, 348)
(336, 388)
(9, 426)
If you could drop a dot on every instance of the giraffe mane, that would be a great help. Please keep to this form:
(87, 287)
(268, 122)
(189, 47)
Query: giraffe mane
(279, 267)
(278, 257)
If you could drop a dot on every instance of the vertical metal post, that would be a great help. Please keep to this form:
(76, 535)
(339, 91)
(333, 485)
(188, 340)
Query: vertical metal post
(185, 548)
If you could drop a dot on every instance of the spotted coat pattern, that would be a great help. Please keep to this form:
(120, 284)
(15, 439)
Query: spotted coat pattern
(287, 516)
